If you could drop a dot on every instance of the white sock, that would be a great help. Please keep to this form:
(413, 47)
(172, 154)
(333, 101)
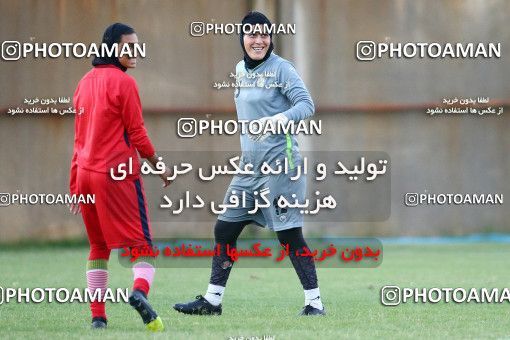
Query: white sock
(214, 294)
(313, 298)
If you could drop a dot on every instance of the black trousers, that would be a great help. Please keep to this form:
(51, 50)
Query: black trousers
(228, 232)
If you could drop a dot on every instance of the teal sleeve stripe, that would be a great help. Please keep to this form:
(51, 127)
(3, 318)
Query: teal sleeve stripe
(289, 151)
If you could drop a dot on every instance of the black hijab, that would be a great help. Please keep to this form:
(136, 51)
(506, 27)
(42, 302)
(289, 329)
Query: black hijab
(112, 35)
(254, 18)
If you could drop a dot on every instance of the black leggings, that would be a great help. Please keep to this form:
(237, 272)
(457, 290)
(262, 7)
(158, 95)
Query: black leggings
(228, 232)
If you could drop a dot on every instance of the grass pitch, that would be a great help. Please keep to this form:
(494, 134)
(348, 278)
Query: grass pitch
(264, 302)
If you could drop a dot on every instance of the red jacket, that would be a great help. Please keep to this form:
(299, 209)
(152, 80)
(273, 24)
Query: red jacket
(110, 130)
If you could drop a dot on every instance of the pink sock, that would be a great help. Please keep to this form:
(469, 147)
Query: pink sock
(97, 279)
(143, 276)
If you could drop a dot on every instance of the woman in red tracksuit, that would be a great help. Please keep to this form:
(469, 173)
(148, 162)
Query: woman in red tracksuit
(109, 131)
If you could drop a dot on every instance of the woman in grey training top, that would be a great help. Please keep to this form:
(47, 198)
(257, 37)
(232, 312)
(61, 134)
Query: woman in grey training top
(271, 92)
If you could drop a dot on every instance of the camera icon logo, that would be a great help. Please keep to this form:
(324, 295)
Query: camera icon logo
(390, 296)
(411, 199)
(197, 29)
(187, 127)
(365, 50)
(11, 50)
(5, 199)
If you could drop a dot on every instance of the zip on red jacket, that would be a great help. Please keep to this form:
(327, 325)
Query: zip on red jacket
(110, 129)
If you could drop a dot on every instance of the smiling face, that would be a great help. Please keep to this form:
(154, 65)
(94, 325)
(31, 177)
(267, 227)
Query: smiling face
(125, 60)
(256, 45)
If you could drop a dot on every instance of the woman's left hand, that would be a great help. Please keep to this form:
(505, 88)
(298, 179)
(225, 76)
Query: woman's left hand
(275, 121)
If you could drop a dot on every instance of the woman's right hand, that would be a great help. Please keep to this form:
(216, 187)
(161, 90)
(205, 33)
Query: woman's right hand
(75, 209)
